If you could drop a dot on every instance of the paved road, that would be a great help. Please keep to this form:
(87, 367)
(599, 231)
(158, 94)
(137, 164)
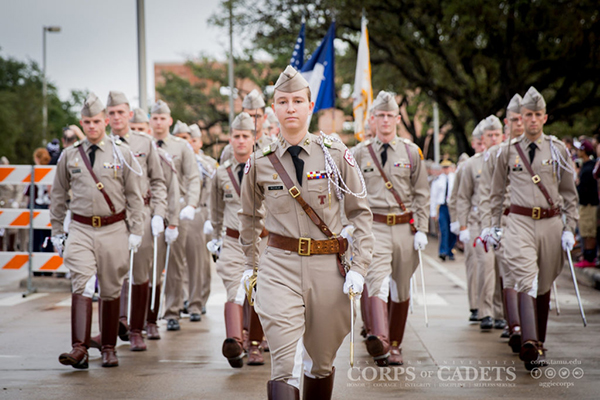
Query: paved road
(449, 359)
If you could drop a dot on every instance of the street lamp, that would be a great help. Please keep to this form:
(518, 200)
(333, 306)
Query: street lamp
(54, 29)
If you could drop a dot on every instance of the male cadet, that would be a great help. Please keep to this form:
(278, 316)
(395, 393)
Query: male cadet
(398, 196)
(542, 187)
(189, 188)
(140, 122)
(196, 251)
(301, 295)
(105, 181)
(253, 105)
(514, 123)
(225, 204)
(470, 226)
(470, 255)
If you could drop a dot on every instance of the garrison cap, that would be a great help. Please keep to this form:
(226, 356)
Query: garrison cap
(533, 100)
(195, 131)
(446, 163)
(290, 81)
(271, 116)
(160, 107)
(243, 122)
(139, 116)
(181, 127)
(515, 104)
(92, 106)
(478, 131)
(116, 98)
(253, 101)
(492, 123)
(385, 101)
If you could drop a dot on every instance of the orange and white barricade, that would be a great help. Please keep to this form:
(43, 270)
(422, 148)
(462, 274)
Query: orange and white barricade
(42, 262)
(15, 218)
(21, 174)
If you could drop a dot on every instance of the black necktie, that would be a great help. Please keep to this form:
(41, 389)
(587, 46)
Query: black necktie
(298, 163)
(240, 172)
(93, 149)
(532, 147)
(160, 143)
(384, 154)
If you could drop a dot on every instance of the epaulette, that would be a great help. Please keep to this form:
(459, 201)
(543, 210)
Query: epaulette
(514, 141)
(77, 143)
(227, 164)
(267, 150)
(477, 155)
(368, 142)
(553, 138)
(327, 142)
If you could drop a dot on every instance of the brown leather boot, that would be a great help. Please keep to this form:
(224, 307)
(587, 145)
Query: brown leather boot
(255, 335)
(364, 311)
(397, 324)
(319, 389)
(96, 341)
(81, 326)
(151, 327)
(378, 344)
(123, 328)
(139, 299)
(110, 329)
(512, 318)
(233, 348)
(543, 309)
(529, 337)
(279, 390)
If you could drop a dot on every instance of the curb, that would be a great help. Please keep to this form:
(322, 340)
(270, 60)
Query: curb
(48, 284)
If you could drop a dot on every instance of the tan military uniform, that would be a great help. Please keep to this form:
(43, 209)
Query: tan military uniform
(395, 256)
(188, 176)
(198, 257)
(533, 246)
(311, 315)
(467, 209)
(97, 250)
(261, 143)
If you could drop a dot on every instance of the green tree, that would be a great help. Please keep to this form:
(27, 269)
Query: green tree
(21, 110)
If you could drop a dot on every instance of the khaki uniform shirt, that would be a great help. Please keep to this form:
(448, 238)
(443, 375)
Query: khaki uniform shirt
(560, 187)
(468, 193)
(454, 195)
(283, 215)
(120, 184)
(485, 186)
(170, 175)
(187, 170)
(208, 168)
(143, 148)
(225, 202)
(405, 169)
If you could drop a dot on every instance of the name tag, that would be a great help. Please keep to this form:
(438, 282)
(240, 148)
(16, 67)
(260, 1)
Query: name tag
(368, 170)
(316, 175)
(76, 171)
(275, 187)
(228, 195)
(517, 168)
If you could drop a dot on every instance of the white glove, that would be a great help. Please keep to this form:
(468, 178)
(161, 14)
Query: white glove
(568, 240)
(58, 242)
(2, 232)
(208, 228)
(347, 233)
(187, 213)
(420, 241)
(455, 227)
(464, 236)
(158, 225)
(15, 204)
(67, 221)
(214, 247)
(134, 242)
(355, 281)
(171, 235)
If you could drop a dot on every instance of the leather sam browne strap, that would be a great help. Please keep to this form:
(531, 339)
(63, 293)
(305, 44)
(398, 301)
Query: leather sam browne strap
(314, 217)
(534, 177)
(99, 184)
(234, 182)
(388, 183)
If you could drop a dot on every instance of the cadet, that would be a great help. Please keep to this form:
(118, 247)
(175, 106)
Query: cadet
(140, 122)
(189, 188)
(467, 208)
(253, 105)
(104, 177)
(398, 190)
(542, 188)
(301, 298)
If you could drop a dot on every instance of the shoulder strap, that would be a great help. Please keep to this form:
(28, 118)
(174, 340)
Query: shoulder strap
(99, 184)
(388, 183)
(234, 181)
(534, 177)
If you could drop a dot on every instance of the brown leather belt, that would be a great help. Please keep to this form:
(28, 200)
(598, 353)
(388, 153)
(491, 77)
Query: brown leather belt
(535, 212)
(236, 234)
(393, 219)
(308, 246)
(97, 221)
(506, 211)
(147, 199)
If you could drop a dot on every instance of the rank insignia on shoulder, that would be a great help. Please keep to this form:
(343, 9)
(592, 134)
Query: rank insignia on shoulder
(327, 142)
(316, 175)
(267, 150)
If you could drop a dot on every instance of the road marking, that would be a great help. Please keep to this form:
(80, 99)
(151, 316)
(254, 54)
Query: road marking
(18, 299)
(3, 356)
(432, 299)
(65, 303)
(182, 361)
(446, 272)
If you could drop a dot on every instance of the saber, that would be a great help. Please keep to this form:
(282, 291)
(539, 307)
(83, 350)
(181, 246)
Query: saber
(131, 253)
(423, 285)
(556, 298)
(155, 256)
(351, 294)
(576, 288)
(162, 289)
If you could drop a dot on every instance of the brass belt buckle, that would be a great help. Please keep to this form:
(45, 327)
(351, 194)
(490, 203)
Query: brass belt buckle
(304, 242)
(389, 185)
(295, 192)
(536, 213)
(536, 179)
(96, 222)
(391, 219)
(99, 185)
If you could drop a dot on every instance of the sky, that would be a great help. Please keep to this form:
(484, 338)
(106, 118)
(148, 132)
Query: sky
(96, 49)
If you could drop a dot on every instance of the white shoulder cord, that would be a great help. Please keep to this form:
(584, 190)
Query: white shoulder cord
(117, 155)
(559, 161)
(204, 171)
(333, 173)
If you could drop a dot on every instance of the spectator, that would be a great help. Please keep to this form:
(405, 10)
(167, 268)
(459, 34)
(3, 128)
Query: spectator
(54, 151)
(41, 194)
(587, 188)
(441, 189)
(69, 137)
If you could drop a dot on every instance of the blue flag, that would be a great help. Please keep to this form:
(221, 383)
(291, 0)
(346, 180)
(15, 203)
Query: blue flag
(297, 60)
(319, 71)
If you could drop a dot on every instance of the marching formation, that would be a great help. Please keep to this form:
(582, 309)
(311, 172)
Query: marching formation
(300, 227)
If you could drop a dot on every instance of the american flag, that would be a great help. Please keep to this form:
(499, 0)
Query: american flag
(297, 60)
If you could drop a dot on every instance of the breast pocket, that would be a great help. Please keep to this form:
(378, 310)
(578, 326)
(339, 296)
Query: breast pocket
(317, 193)
(373, 180)
(278, 201)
